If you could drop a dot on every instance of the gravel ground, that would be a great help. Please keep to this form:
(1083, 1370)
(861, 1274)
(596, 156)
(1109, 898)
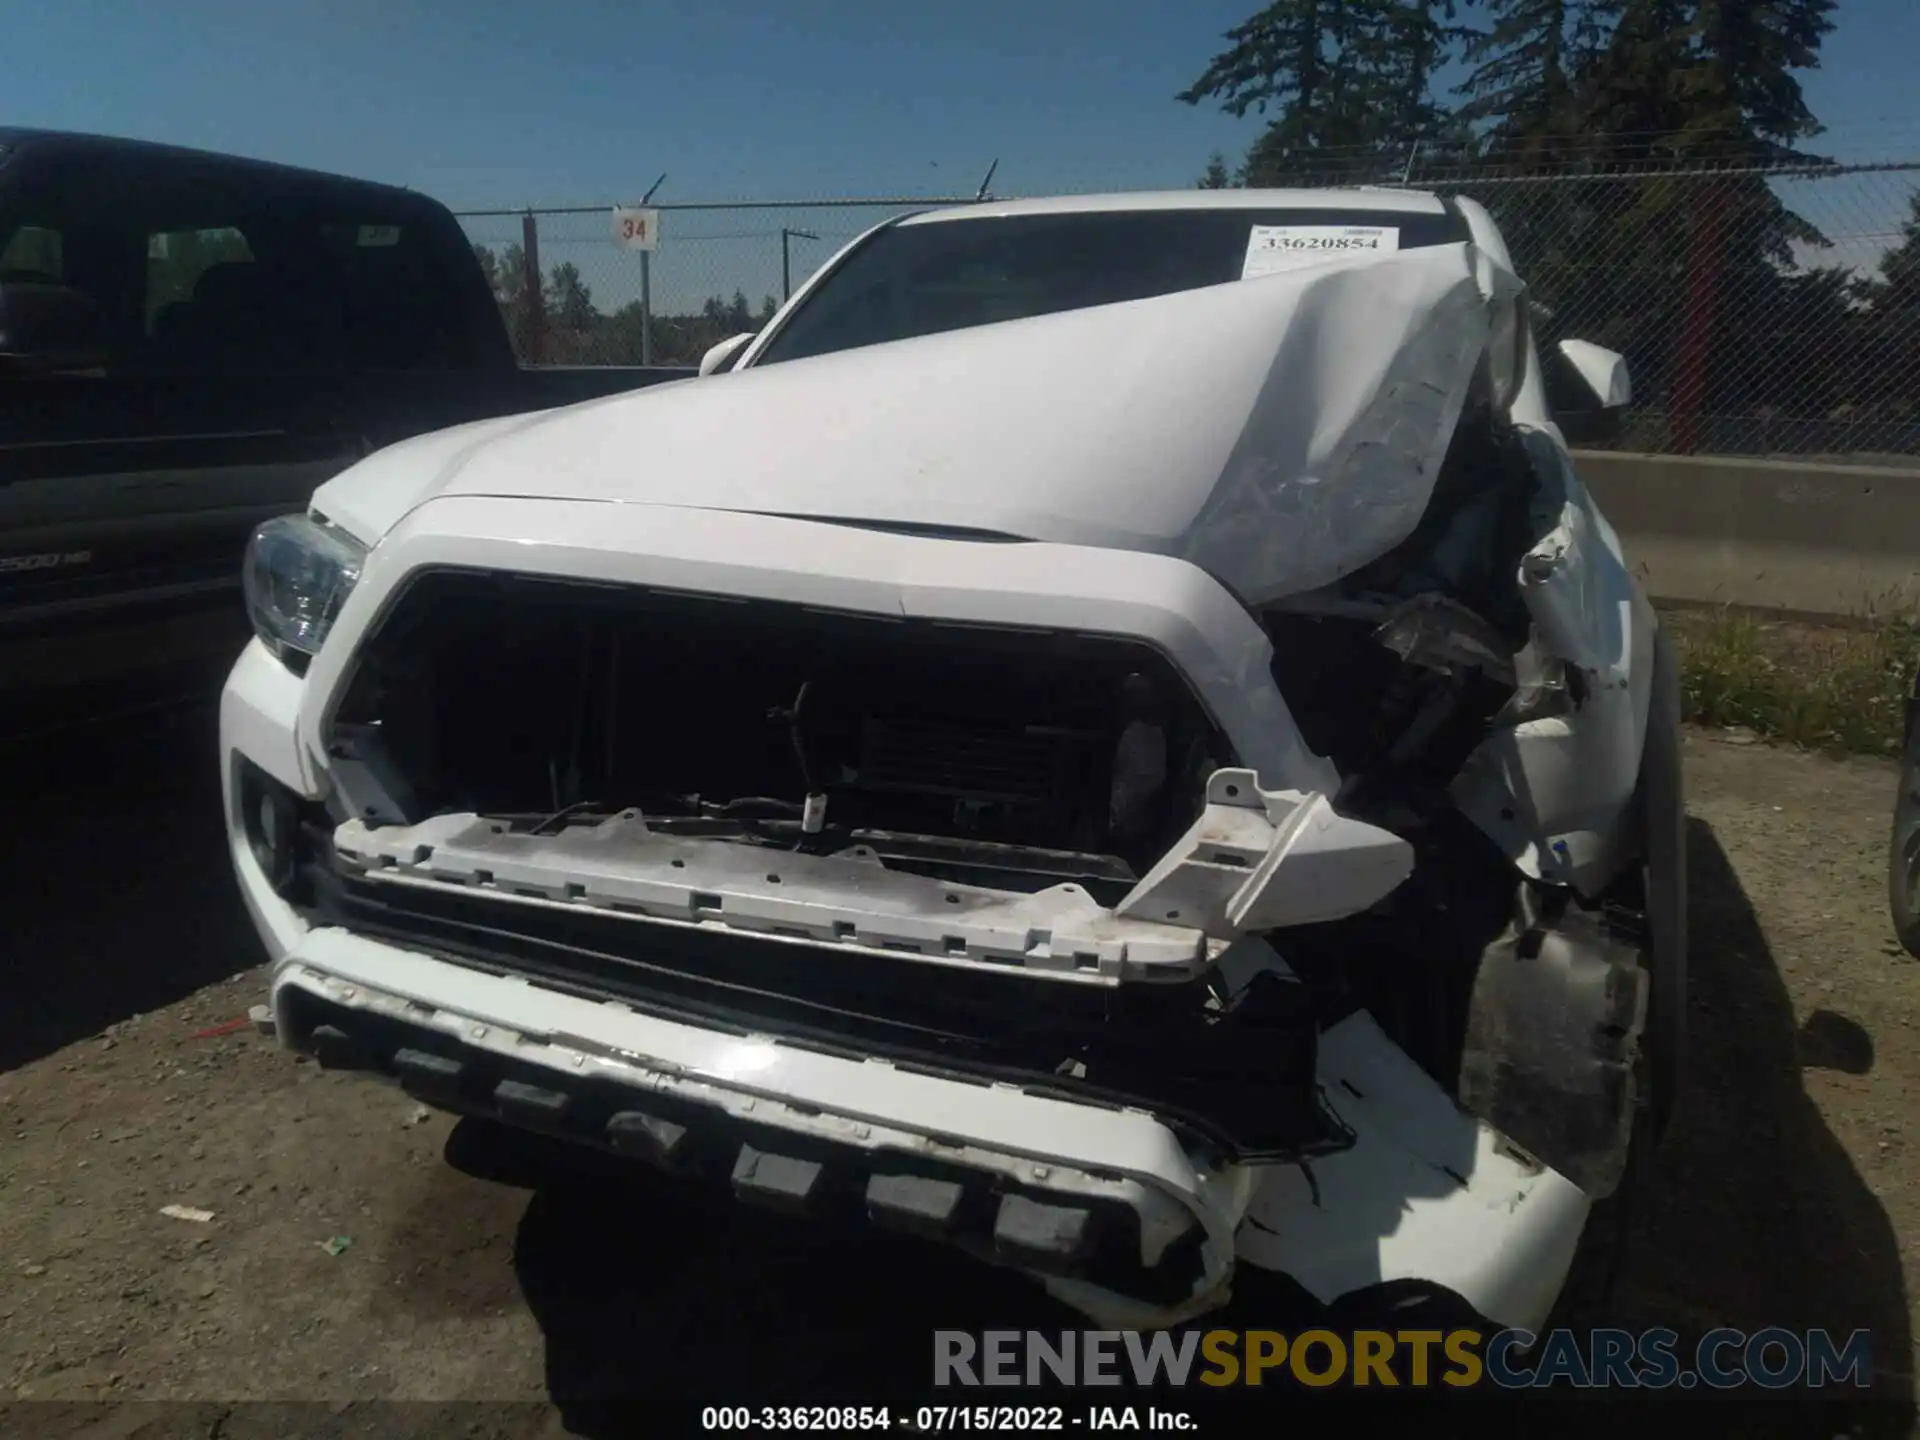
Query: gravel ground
(361, 1249)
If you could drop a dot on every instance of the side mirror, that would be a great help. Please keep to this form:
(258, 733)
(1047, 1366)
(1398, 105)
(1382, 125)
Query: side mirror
(1588, 388)
(722, 355)
(1604, 372)
(46, 328)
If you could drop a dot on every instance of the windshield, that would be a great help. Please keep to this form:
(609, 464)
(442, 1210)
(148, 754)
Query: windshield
(921, 279)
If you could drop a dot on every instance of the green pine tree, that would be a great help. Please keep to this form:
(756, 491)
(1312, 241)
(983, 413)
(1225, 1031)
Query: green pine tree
(1890, 358)
(1633, 108)
(1532, 69)
(569, 300)
(1711, 83)
(1216, 176)
(1741, 88)
(1347, 82)
(1900, 268)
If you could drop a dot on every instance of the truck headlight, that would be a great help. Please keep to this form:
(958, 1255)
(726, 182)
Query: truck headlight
(298, 573)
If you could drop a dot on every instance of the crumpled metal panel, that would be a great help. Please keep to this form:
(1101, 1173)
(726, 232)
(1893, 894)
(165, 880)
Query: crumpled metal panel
(1276, 432)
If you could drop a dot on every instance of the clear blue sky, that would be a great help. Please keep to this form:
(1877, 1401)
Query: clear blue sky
(514, 102)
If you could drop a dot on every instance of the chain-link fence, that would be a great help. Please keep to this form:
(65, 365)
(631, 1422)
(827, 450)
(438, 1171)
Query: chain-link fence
(1761, 311)
(1771, 311)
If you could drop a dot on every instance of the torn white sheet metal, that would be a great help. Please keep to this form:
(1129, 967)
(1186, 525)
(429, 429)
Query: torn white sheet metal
(1553, 791)
(1261, 859)
(848, 899)
(1571, 578)
(1426, 1193)
(1278, 435)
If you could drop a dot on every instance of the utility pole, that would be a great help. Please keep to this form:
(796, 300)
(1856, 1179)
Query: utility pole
(786, 263)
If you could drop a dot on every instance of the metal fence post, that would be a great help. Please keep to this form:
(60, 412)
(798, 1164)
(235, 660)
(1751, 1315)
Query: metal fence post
(535, 301)
(646, 282)
(646, 307)
(786, 261)
(1696, 321)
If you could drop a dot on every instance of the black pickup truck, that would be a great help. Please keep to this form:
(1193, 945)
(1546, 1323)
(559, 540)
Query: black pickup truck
(189, 344)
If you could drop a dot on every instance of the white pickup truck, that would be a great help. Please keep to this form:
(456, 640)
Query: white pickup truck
(1109, 734)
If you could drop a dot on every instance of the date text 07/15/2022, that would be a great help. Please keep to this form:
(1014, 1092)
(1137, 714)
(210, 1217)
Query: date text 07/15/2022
(941, 1419)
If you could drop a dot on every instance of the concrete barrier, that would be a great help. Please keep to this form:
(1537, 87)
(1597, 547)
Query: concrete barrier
(1817, 539)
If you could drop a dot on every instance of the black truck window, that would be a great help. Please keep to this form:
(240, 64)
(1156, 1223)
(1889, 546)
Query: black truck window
(403, 308)
(200, 268)
(176, 259)
(32, 252)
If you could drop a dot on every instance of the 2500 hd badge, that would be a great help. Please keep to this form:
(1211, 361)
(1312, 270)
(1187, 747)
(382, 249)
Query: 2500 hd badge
(53, 560)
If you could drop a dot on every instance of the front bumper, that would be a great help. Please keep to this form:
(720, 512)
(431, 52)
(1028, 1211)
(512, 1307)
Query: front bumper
(1116, 1212)
(1096, 1198)
(1104, 1206)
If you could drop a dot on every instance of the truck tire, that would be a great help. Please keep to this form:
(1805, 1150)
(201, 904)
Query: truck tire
(1903, 852)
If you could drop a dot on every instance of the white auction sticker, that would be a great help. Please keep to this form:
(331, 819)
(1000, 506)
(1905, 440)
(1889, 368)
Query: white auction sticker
(1273, 248)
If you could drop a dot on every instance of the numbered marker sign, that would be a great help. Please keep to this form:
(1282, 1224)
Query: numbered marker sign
(636, 229)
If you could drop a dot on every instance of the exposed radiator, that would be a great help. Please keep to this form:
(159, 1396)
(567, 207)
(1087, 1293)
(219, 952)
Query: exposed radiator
(972, 761)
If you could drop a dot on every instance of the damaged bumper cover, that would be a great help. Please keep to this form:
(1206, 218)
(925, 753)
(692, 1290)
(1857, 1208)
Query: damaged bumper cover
(1120, 1210)
(1129, 1206)
(1109, 1207)
(1034, 1181)
(1048, 990)
(620, 866)
(1253, 860)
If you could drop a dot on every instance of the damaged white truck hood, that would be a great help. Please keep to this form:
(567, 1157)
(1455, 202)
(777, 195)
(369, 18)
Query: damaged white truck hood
(1277, 432)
